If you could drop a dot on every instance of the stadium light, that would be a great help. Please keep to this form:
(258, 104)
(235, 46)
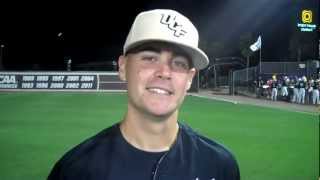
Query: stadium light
(60, 34)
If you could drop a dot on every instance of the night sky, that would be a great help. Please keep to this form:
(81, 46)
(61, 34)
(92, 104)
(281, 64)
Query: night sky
(96, 32)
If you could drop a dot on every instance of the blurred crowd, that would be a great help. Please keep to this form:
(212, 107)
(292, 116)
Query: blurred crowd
(290, 88)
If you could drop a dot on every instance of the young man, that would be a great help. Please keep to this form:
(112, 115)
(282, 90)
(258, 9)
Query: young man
(160, 58)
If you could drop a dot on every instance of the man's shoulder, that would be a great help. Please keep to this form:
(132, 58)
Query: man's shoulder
(91, 144)
(205, 146)
(85, 152)
(209, 154)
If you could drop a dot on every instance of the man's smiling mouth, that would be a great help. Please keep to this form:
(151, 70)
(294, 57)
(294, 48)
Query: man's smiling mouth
(161, 91)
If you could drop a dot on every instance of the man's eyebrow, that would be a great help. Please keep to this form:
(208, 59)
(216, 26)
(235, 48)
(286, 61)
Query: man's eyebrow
(151, 48)
(145, 48)
(176, 51)
(158, 47)
(182, 53)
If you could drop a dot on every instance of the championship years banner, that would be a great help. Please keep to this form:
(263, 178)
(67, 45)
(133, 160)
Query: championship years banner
(48, 81)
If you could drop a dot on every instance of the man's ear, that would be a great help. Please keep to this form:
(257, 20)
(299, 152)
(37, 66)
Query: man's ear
(192, 72)
(122, 67)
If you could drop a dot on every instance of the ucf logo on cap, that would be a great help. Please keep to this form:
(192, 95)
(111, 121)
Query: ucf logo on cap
(173, 25)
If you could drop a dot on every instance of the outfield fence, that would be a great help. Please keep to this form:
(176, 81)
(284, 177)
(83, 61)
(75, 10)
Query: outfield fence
(61, 81)
(68, 81)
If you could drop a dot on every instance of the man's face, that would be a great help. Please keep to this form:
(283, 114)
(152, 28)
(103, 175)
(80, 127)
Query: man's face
(158, 78)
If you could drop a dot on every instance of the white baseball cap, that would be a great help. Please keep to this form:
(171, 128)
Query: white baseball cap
(167, 26)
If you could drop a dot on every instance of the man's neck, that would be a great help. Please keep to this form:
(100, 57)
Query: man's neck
(149, 135)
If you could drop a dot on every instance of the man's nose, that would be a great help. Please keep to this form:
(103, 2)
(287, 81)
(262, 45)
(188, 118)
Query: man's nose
(164, 69)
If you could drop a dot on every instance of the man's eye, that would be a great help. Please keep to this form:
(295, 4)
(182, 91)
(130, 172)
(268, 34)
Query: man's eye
(181, 64)
(149, 58)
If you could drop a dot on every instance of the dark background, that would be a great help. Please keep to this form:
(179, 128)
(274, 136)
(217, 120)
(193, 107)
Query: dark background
(94, 33)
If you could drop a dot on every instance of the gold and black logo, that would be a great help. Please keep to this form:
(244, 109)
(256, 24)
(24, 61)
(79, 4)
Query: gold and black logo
(306, 16)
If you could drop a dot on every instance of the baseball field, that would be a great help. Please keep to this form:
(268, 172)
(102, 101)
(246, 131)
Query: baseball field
(36, 129)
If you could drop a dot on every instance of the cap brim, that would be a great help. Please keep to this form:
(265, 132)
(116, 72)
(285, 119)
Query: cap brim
(199, 59)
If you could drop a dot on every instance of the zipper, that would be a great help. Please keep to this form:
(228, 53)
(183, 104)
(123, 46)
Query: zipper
(155, 173)
(158, 165)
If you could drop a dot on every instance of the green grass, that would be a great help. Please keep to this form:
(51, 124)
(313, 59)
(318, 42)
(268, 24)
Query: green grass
(36, 129)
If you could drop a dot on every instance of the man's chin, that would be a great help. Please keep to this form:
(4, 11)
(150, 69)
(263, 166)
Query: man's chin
(161, 116)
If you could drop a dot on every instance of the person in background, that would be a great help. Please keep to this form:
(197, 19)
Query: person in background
(284, 87)
(295, 83)
(302, 89)
(315, 92)
(259, 87)
(274, 88)
(309, 89)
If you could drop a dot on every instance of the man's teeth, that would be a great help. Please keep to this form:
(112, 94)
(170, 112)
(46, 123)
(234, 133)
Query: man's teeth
(159, 91)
